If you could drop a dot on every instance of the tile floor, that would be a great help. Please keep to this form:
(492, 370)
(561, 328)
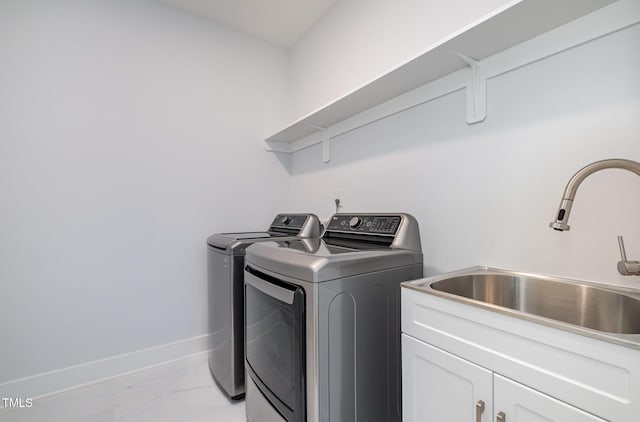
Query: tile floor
(181, 391)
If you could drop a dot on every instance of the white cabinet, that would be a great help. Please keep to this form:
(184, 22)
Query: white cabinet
(455, 355)
(439, 386)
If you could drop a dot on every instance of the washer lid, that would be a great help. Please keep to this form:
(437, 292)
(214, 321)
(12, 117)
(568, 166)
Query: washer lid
(233, 240)
(315, 260)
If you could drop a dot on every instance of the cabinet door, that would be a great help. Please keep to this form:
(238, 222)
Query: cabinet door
(438, 386)
(523, 404)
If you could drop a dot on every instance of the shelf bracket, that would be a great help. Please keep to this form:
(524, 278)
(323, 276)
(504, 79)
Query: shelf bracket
(476, 91)
(326, 143)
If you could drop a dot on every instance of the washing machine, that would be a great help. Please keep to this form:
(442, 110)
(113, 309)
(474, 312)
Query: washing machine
(323, 321)
(225, 262)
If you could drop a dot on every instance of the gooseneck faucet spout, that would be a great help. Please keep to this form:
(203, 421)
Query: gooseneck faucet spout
(562, 216)
(625, 266)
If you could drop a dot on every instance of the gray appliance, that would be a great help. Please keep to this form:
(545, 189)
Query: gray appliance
(323, 321)
(225, 262)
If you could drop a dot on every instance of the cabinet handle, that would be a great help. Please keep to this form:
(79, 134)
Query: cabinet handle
(501, 417)
(479, 410)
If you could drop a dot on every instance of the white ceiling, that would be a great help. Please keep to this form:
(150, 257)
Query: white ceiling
(280, 22)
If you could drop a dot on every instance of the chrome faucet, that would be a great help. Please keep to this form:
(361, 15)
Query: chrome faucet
(625, 267)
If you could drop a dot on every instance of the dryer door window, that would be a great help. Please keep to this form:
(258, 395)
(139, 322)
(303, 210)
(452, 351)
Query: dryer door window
(275, 341)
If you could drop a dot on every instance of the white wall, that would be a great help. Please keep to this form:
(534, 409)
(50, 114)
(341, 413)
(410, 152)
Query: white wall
(129, 132)
(357, 41)
(484, 194)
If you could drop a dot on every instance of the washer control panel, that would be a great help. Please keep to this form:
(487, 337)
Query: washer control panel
(291, 221)
(365, 223)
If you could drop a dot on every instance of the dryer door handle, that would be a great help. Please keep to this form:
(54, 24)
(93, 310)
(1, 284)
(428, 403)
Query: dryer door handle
(270, 289)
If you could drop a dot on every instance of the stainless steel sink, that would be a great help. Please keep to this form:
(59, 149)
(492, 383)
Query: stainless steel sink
(567, 301)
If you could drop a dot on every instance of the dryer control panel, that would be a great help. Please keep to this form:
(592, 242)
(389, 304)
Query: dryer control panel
(365, 223)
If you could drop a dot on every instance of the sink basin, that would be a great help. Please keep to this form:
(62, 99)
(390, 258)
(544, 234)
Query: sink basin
(561, 300)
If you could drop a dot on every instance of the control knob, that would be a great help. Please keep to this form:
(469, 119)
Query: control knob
(285, 220)
(355, 222)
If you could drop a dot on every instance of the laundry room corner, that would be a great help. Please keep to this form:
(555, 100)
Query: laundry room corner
(125, 143)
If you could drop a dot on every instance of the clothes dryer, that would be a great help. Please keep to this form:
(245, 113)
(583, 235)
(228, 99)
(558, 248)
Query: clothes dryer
(323, 321)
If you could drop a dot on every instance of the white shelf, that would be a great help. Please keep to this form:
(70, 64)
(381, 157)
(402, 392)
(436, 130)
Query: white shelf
(518, 22)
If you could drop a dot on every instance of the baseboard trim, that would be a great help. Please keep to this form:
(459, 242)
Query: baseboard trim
(59, 380)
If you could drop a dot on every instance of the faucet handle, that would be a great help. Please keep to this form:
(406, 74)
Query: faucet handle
(623, 252)
(626, 267)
